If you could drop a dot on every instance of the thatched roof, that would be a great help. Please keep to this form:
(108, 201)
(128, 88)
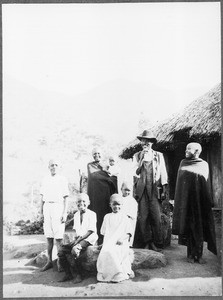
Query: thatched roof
(200, 121)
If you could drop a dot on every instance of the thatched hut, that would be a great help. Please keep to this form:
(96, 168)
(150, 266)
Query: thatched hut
(200, 121)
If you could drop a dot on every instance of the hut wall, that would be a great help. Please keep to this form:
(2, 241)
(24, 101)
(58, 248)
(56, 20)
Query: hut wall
(173, 159)
(214, 161)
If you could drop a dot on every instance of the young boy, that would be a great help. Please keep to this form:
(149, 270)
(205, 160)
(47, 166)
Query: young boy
(130, 206)
(114, 262)
(54, 193)
(85, 227)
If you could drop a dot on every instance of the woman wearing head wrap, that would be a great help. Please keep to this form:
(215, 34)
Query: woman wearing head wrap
(100, 186)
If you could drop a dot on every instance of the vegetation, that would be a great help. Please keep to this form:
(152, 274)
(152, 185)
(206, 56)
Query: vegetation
(25, 164)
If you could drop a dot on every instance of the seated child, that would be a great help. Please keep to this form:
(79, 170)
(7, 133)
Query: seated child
(130, 206)
(114, 261)
(85, 227)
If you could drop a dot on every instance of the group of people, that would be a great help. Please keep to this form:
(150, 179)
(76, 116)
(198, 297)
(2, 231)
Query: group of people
(109, 219)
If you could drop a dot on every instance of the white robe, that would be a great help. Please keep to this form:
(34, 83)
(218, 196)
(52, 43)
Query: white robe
(114, 261)
(130, 208)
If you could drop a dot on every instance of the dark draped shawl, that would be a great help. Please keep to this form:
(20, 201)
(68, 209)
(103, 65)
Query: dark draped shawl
(100, 187)
(193, 203)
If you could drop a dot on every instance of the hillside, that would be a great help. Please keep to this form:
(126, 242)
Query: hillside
(39, 124)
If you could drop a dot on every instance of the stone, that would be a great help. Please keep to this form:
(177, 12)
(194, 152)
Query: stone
(141, 259)
(19, 253)
(88, 260)
(148, 259)
(41, 259)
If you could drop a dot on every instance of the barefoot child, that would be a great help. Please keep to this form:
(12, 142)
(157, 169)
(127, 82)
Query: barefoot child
(114, 262)
(130, 206)
(85, 227)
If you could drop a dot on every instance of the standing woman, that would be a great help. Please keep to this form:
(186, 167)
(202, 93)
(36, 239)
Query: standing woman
(100, 186)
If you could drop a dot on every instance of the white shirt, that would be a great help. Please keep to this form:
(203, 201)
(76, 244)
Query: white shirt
(88, 223)
(159, 166)
(54, 188)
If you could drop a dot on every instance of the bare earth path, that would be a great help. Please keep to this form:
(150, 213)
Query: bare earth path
(178, 278)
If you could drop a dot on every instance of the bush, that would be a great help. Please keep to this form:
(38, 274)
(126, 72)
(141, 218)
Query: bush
(35, 227)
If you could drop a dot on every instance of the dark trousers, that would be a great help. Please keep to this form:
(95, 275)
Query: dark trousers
(66, 249)
(149, 218)
(194, 246)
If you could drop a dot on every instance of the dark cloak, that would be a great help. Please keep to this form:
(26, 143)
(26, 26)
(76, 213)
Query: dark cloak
(193, 204)
(100, 187)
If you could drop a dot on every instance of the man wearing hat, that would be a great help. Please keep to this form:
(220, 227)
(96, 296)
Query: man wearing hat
(149, 189)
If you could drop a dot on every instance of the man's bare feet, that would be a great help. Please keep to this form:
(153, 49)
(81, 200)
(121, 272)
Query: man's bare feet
(78, 279)
(201, 261)
(153, 247)
(48, 266)
(190, 260)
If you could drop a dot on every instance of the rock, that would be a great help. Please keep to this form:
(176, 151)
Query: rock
(88, 260)
(141, 259)
(19, 253)
(41, 259)
(32, 254)
(150, 259)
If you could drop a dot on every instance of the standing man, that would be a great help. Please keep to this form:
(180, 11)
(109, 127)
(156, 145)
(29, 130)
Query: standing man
(54, 192)
(192, 216)
(150, 187)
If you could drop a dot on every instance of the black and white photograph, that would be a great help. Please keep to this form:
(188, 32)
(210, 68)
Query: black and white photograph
(111, 149)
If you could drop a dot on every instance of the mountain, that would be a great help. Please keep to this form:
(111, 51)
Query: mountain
(111, 109)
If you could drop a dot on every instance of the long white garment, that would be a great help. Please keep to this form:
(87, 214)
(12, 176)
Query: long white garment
(130, 208)
(114, 261)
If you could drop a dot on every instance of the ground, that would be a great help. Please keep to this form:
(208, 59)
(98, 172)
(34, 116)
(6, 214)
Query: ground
(178, 278)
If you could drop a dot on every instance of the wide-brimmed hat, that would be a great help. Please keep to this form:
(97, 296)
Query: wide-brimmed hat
(147, 134)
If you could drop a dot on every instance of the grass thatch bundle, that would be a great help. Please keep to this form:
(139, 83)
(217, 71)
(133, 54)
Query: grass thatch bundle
(200, 121)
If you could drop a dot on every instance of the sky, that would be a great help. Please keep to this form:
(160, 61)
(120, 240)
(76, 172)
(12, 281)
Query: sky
(157, 57)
